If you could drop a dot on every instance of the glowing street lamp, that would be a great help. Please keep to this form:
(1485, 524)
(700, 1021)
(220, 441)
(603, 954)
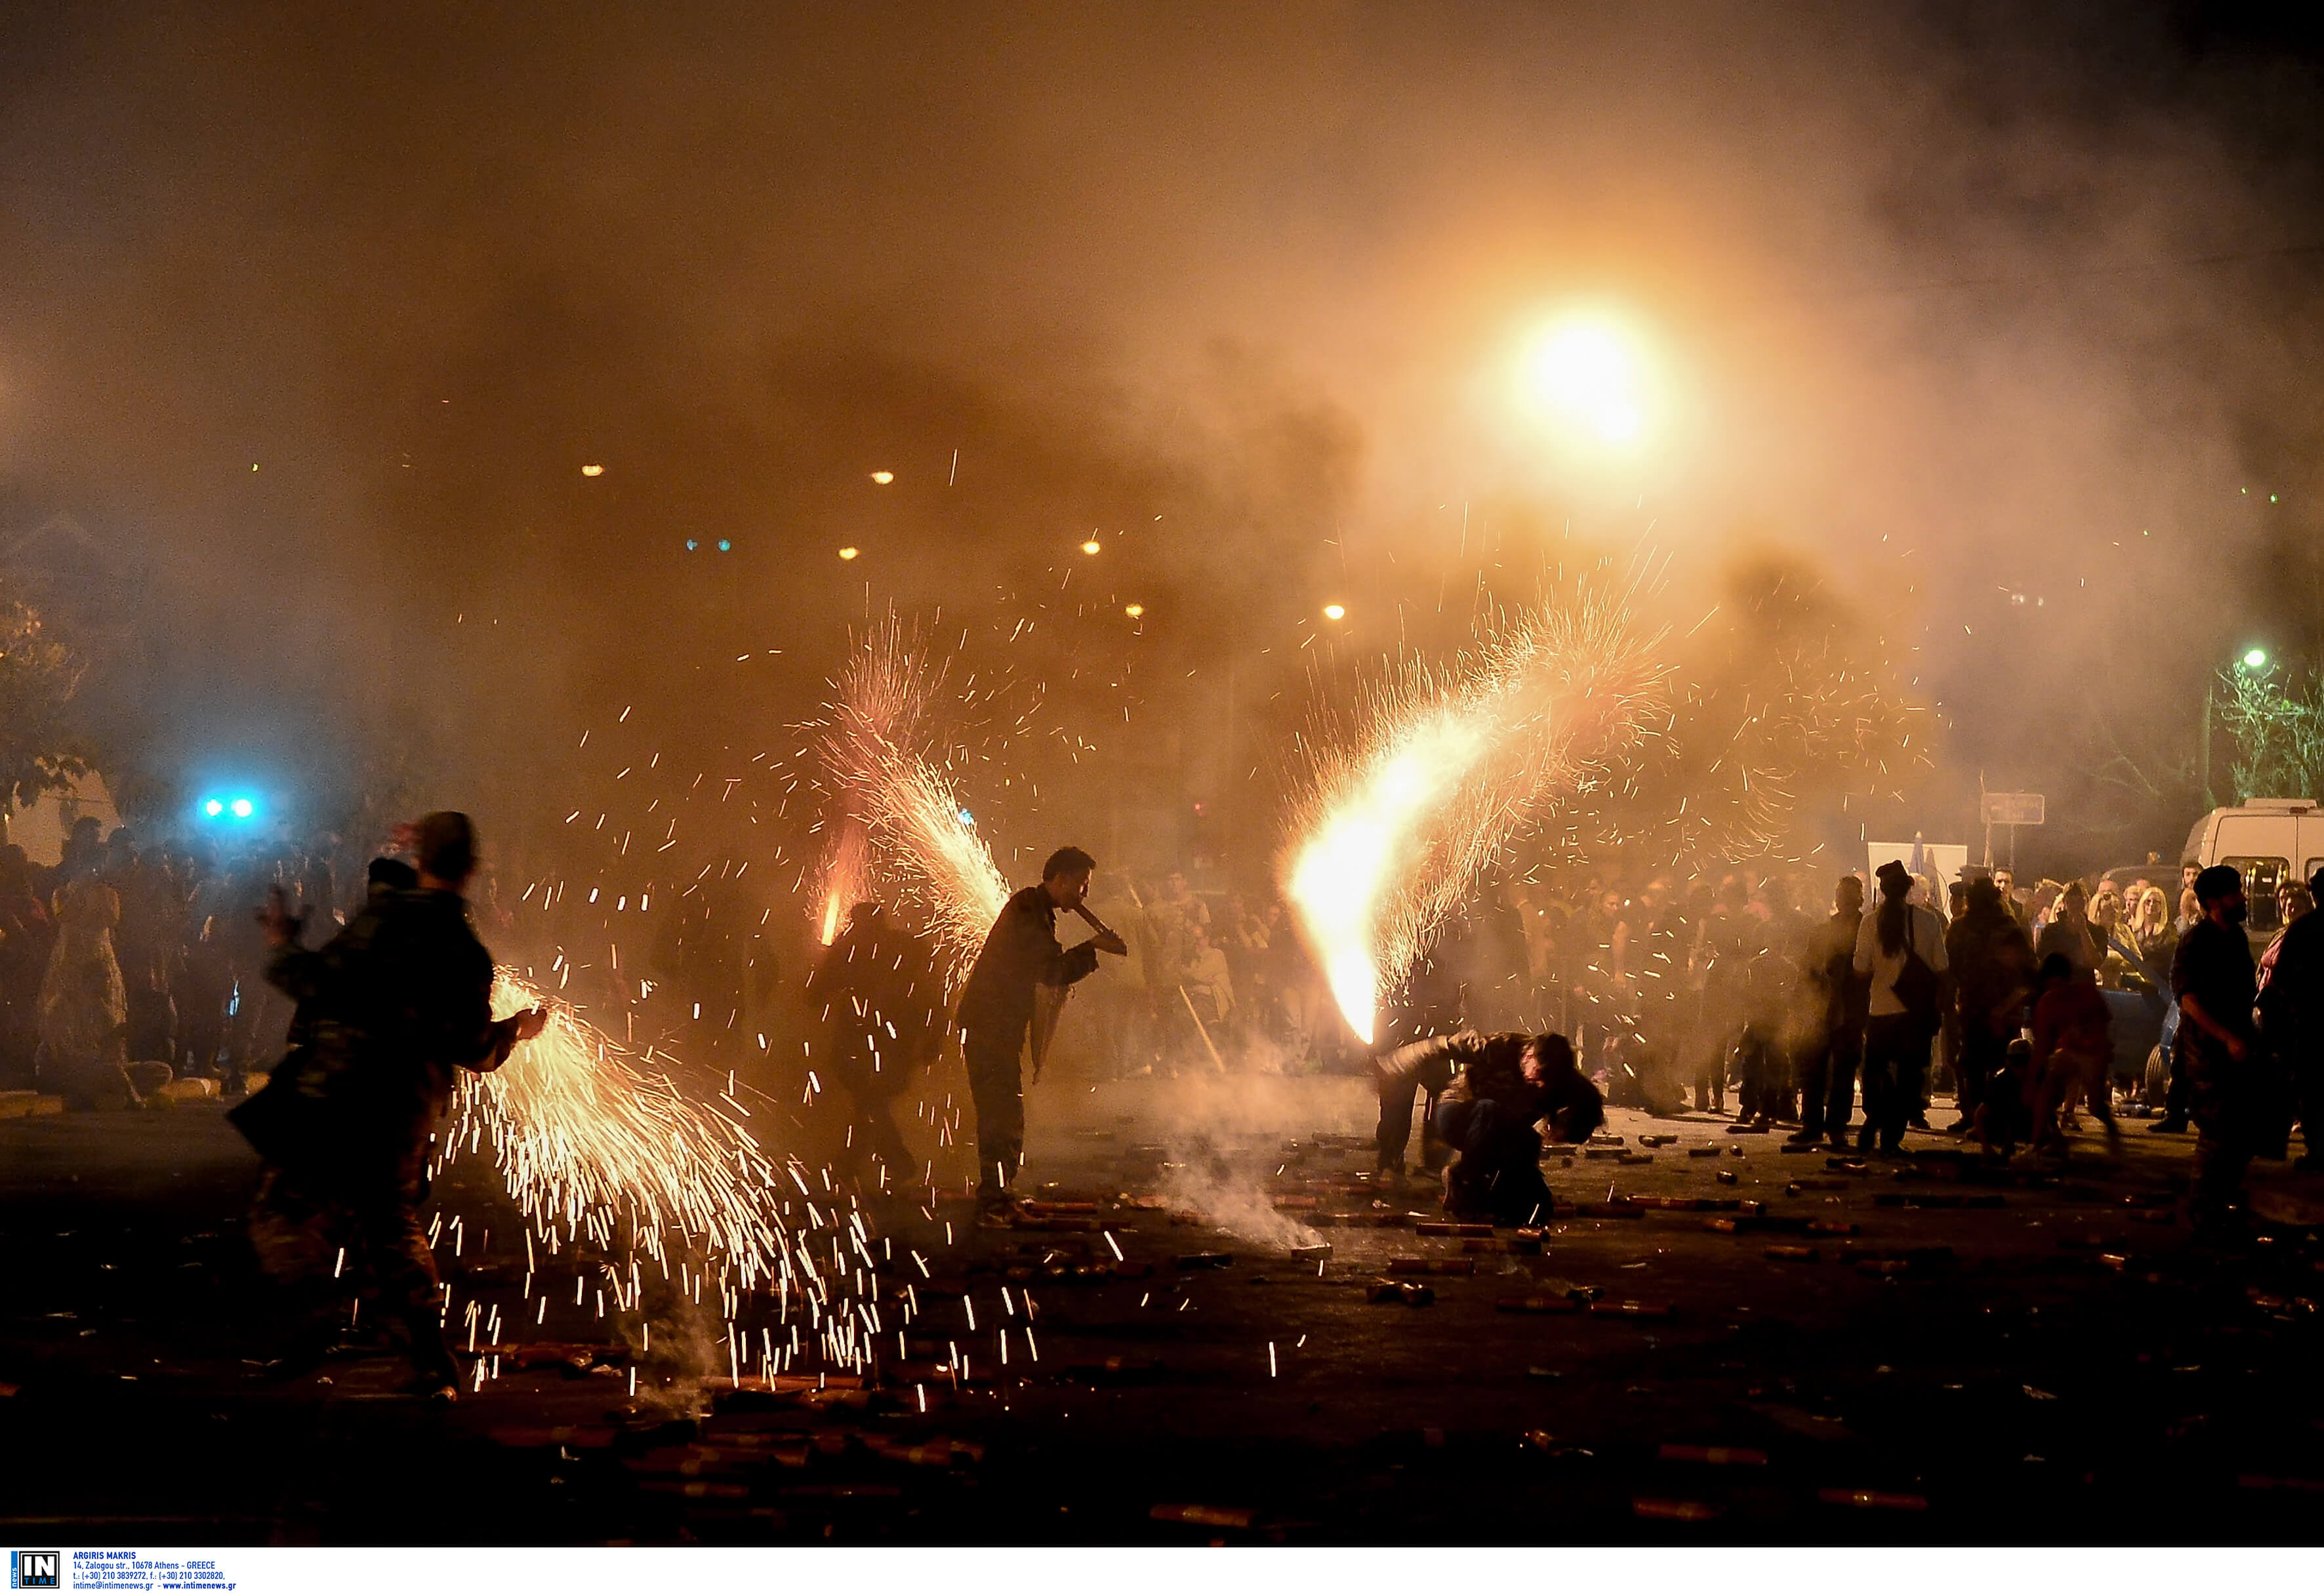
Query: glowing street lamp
(1334, 612)
(2250, 661)
(1588, 378)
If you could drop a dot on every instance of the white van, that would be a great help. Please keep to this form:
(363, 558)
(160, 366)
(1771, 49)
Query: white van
(2269, 840)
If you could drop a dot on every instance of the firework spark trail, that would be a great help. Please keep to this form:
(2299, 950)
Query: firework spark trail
(590, 1141)
(1399, 820)
(872, 747)
(605, 1151)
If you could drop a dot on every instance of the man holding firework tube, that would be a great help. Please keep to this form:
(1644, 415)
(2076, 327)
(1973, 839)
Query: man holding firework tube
(1021, 951)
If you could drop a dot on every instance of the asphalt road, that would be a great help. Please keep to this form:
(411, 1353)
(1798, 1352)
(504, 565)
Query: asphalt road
(1962, 1357)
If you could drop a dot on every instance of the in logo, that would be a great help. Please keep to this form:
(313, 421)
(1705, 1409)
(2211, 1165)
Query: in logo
(33, 1569)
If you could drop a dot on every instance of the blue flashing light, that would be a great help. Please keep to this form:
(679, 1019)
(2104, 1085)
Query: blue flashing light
(691, 544)
(230, 809)
(242, 807)
(725, 545)
(213, 807)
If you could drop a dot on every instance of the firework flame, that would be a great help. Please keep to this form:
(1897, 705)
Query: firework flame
(1401, 818)
(846, 875)
(1367, 842)
(918, 830)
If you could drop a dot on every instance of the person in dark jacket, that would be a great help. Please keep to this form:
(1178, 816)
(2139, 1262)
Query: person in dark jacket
(296, 1222)
(878, 989)
(2217, 984)
(1834, 1042)
(1992, 965)
(415, 1009)
(1020, 953)
(2291, 1014)
(1490, 1091)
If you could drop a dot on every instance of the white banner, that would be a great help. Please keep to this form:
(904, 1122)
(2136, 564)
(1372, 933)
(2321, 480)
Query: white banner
(1940, 861)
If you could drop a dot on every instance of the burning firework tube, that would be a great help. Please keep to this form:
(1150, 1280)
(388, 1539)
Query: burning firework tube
(1401, 820)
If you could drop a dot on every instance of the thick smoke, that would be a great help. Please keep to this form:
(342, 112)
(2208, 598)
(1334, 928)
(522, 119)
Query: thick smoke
(1994, 312)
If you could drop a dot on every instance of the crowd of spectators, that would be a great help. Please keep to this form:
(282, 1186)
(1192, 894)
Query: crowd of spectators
(1716, 991)
(125, 966)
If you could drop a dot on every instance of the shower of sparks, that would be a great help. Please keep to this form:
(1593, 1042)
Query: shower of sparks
(645, 1181)
(874, 749)
(595, 1142)
(1398, 820)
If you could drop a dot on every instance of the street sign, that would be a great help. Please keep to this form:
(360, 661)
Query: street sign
(2012, 808)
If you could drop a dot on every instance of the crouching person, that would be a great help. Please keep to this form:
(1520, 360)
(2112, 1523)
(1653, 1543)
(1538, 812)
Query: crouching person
(1492, 1091)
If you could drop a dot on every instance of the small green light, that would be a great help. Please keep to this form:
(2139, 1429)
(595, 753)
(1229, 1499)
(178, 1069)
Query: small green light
(2257, 657)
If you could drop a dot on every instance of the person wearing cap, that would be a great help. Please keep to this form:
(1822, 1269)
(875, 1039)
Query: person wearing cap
(417, 1008)
(2217, 983)
(1020, 953)
(1902, 948)
(1490, 1091)
(2291, 1014)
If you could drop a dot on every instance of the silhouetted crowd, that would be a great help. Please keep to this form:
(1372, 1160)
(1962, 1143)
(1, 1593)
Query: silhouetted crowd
(124, 967)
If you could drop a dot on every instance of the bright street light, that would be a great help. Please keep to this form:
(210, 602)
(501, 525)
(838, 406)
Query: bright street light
(2256, 659)
(1584, 374)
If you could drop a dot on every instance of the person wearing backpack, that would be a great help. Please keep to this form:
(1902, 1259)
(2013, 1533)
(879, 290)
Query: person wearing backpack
(1902, 949)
